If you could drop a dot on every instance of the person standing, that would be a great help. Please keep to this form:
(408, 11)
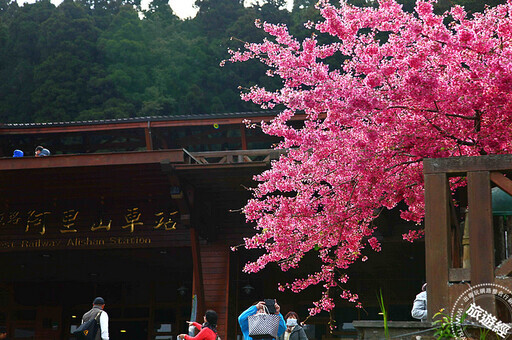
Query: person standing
(98, 306)
(207, 331)
(294, 331)
(243, 319)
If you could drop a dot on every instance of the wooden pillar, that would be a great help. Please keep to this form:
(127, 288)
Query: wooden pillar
(149, 139)
(197, 275)
(456, 235)
(481, 236)
(216, 273)
(437, 241)
(243, 136)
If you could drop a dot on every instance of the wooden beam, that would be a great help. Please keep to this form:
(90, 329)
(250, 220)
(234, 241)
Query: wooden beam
(505, 268)
(481, 235)
(216, 166)
(437, 241)
(460, 165)
(96, 159)
(504, 183)
(459, 274)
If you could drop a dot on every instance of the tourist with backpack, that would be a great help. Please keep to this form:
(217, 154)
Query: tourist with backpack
(94, 323)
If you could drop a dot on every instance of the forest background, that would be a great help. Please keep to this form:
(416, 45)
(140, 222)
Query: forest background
(103, 59)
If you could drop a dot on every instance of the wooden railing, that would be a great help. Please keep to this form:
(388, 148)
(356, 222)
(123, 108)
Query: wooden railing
(233, 156)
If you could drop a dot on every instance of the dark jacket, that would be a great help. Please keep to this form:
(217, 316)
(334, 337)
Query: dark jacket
(297, 334)
(91, 314)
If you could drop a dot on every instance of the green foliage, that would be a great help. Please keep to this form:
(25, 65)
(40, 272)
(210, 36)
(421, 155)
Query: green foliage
(63, 79)
(95, 59)
(483, 333)
(444, 325)
(384, 313)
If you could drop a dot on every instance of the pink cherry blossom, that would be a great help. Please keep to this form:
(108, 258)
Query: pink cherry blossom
(427, 88)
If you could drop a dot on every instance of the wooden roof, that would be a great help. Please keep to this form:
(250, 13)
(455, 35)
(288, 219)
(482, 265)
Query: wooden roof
(135, 123)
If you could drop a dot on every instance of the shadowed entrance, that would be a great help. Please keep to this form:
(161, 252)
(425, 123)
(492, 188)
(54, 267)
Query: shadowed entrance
(147, 291)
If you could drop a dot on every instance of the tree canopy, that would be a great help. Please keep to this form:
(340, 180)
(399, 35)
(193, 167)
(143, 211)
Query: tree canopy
(95, 59)
(390, 89)
(101, 59)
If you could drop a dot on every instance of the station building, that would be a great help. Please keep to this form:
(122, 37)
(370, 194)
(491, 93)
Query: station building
(144, 212)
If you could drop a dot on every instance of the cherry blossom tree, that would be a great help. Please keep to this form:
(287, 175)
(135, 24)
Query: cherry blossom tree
(410, 86)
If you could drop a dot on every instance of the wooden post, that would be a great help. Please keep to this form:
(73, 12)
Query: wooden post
(481, 235)
(437, 241)
(456, 235)
(197, 274)
(466, 250)
(243, 136)
(149, 139)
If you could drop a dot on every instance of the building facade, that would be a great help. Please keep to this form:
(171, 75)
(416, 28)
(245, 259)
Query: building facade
(144, 212)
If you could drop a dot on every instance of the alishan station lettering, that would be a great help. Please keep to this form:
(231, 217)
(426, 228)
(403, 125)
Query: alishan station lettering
(65, 230)
(75, 242)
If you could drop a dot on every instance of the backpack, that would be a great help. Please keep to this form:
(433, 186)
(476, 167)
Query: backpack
(88, 330)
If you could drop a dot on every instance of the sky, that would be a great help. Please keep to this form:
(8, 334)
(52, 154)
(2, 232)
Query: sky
(182, 8)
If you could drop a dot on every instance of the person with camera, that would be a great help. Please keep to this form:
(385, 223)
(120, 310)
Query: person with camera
(261, 307)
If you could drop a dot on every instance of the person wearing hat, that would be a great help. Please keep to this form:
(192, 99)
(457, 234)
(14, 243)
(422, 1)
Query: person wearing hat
(419, 307)
(207, 331)
(97, 307)
(17, 153)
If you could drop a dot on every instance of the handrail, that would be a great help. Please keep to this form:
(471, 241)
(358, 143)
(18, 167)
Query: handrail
(189, 157)
(234, 156)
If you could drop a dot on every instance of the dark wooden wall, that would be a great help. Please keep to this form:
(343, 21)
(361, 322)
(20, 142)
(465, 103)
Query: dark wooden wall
(215, 268)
